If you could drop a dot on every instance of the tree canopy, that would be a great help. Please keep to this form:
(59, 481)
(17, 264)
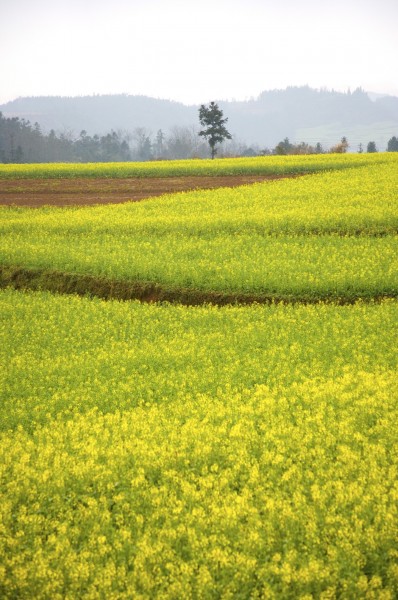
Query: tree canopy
(211, 118)
(392, 144)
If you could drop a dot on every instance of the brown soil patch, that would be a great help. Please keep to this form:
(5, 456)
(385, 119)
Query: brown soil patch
(85, 191)
(69, 283)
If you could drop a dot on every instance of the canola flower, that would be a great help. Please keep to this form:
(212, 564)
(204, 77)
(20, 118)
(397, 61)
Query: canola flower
(331, 234)
(173, 168)
(158, 451)
(65, 354)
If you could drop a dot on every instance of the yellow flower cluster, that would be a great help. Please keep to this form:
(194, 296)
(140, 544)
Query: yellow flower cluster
(331, 234)
(172, 168)
(170, 452)
(162, 451)
(65, 354)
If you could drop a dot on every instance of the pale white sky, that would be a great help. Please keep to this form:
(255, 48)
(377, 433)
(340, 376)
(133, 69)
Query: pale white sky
(195, 51)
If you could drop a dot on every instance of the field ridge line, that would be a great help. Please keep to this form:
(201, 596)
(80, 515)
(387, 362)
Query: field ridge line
(21, 278)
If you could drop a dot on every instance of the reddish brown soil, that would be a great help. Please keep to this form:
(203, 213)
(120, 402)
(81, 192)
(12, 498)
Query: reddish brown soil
(84, 191)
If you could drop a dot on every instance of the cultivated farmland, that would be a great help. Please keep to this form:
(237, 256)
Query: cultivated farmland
(162, 450)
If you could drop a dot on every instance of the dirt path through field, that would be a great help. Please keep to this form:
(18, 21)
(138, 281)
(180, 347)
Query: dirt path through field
(87, 191)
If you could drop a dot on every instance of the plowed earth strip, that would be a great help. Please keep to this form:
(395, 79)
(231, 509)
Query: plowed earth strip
(87, 191)
(58, 282)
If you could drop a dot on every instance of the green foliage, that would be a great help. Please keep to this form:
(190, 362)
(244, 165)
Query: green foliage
(371, 147)
(22, 143)
(211, 118)
(392, 144)
(285, 148)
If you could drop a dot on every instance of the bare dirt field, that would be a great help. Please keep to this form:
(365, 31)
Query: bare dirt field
(85, 191)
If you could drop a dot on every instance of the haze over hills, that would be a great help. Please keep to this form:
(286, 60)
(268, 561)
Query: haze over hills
(299, 113)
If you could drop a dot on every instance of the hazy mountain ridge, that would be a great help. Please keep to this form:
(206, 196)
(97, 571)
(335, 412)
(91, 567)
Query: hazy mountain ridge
(100, 113)
(321, 115)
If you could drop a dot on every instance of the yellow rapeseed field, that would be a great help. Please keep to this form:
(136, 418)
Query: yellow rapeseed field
(173, 168)
(330, 235)
(161, 451)
(156, 451)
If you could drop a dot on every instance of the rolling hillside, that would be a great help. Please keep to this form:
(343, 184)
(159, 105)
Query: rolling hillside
(299, 113)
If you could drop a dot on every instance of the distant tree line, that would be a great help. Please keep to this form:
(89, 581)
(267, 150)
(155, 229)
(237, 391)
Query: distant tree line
(22, 142)
(286, 147)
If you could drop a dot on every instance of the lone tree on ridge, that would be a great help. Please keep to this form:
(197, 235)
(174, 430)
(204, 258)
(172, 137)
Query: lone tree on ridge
(211, 118)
